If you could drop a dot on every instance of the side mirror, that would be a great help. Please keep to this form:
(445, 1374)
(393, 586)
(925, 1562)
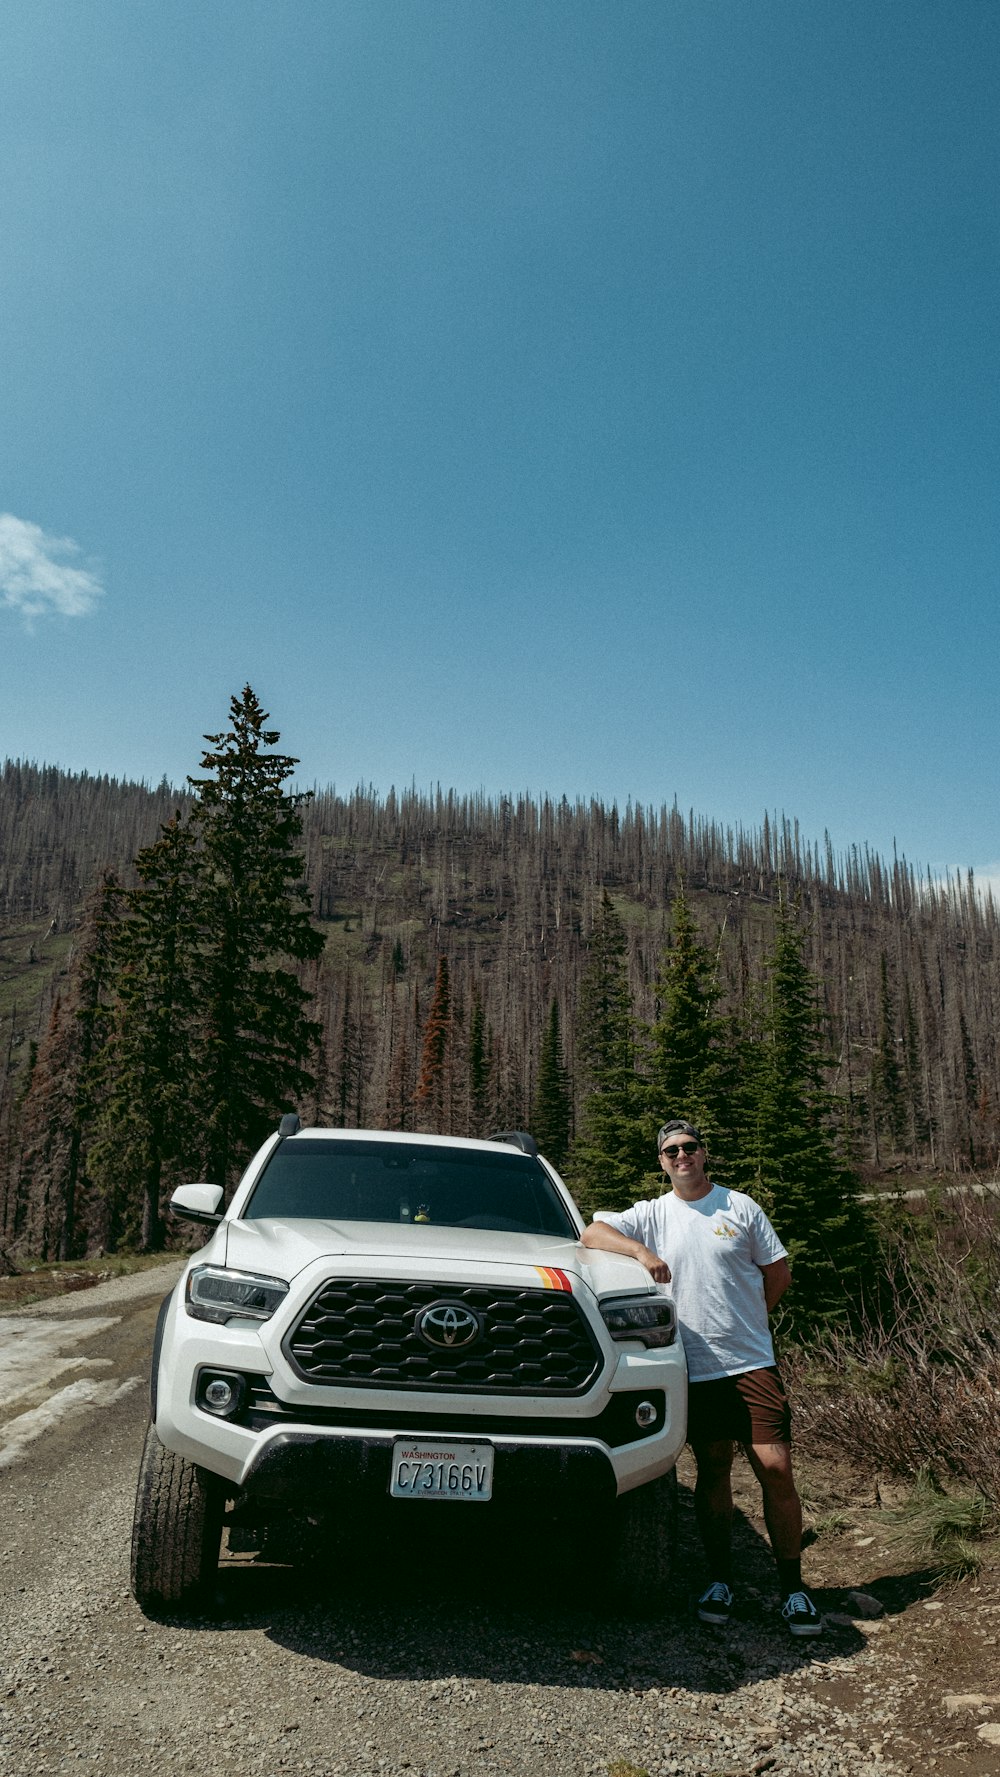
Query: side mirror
(198, 1203)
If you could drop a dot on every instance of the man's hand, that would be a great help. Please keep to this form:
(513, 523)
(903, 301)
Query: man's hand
(610, 1240)
(658, 1268)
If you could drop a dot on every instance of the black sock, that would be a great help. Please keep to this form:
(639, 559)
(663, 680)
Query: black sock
(789, 1575)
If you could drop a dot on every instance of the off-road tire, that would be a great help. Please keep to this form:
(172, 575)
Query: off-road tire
(176, 1531)
(644, 1547)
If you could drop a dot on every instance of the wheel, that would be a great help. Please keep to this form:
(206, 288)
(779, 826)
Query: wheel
(644, 1546)
(176, 1530)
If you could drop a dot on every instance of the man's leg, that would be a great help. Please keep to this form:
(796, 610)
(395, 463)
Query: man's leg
(772, 1464)
(713, 1505)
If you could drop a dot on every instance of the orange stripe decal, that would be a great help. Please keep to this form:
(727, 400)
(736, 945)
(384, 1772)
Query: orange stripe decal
(553, 1278)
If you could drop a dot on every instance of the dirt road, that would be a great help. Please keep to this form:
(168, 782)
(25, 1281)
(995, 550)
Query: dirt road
(421, 1660)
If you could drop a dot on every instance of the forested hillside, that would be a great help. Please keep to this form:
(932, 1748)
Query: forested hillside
(507, 891)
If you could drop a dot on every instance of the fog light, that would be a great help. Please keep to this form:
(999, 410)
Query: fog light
(220, 1394)
(645, 1414)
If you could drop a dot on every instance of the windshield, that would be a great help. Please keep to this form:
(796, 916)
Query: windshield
(372, 1181)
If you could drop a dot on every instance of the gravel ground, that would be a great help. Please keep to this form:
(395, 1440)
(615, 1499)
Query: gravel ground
(403, 1675)
(427, 1657)
(117, 1292)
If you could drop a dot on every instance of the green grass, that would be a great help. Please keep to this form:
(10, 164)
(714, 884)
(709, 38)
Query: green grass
(830, 1524)
(944, 1528)
(23, 982)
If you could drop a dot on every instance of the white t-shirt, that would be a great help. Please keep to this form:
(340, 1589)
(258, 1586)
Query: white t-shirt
(715, 1248)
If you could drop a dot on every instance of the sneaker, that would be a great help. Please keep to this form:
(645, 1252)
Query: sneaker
(801, 1615)
(715, 1604)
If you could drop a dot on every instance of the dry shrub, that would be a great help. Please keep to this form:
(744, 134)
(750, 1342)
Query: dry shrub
(918, 1387)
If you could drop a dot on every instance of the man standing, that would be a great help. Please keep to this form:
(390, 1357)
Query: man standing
(727, 1269)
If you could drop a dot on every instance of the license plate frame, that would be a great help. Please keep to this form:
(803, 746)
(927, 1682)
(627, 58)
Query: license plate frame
(452, 1471)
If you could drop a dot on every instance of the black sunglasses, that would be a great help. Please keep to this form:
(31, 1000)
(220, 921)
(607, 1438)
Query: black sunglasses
(680, 1147)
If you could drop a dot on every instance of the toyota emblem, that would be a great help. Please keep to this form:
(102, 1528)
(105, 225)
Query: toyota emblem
(449, 1325)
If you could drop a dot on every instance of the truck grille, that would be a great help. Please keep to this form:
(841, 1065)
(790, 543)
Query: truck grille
(361, 1332)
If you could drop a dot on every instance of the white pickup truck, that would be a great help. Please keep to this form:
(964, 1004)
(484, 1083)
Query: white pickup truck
(398, 1323)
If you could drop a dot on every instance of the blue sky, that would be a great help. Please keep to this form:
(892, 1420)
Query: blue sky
(588, 398)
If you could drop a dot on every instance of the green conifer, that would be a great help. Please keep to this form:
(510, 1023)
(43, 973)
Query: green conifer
(614, 1147)
(886, 1074)
(432, 1096)
(786, 1155)
(688, 1059)
(142, 1075)
(552, 1107)
(479, 1068)
(253, 917)
(51, 1186)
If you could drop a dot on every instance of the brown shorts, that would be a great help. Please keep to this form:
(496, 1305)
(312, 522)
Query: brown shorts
(749, 1409)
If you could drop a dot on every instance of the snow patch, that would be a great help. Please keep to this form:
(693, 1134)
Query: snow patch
(31, 1352)
(77, 1397)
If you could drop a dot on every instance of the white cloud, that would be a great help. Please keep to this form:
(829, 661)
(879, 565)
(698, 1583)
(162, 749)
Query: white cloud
(988, 877)
(985, 878)
(37, 573)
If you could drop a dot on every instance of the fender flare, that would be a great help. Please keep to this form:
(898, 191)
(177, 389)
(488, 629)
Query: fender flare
(154, 1374)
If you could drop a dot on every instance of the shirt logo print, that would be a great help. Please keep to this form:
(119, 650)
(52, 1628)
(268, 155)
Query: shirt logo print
(724, 1232)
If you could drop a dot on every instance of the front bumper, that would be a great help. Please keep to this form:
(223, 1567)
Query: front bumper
(298, 1444)
(349, 1472)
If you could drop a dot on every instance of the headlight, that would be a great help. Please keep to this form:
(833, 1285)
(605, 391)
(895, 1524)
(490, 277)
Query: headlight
(650, 1319)
(213, 1293)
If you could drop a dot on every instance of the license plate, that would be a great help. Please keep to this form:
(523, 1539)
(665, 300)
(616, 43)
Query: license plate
(432, 1470)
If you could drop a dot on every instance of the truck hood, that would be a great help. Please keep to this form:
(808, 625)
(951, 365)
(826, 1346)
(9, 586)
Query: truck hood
(284, 1248)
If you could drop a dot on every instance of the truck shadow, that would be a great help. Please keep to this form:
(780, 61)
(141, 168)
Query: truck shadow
(437, 1601)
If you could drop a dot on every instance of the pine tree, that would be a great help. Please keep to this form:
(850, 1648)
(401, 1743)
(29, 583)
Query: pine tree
(479, 1069)
(688, 1072)
(347, 1076)
(45, 1175)
(51, 1188)
(916, 1098)
(431, 1098)
(255, 1037)
(968, 1087)
(886, 1075)
(507, 1102)
(605, 1043)
(142, 1075)
(458, 1063)
(615, 1144)
(552, 1108)
(786, 1157)
(14, 1197)
(398, 1093)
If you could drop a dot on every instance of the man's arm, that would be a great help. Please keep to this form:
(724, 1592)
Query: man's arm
(612, 1240)
(777, 1278)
